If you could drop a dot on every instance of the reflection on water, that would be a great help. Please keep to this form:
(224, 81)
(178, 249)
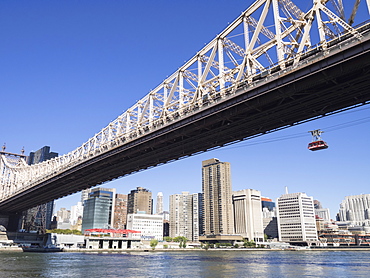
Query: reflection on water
(185, 264)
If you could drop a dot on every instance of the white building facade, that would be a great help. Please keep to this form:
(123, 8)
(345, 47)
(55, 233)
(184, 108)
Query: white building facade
(296, 218)
(248, 214)
(159, 205)
(150, 226)
(323, 213)
(77, 212)
(356, 209)
(197, 216)
(185, 216)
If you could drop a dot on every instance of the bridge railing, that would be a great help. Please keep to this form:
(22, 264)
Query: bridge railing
(246, 51)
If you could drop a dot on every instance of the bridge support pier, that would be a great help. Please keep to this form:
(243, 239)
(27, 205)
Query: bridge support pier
(10, 221)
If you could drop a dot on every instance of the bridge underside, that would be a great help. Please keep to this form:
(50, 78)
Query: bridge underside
(310, 91)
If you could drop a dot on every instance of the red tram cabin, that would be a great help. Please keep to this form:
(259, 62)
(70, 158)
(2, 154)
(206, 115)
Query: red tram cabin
(317, 143)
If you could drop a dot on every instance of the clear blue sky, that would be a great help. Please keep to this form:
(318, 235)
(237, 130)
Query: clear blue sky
(68, 68)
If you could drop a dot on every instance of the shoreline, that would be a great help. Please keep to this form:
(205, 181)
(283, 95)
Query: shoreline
(81, 250)
(214, 250)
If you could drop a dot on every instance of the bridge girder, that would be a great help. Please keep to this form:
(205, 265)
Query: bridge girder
(228, 91)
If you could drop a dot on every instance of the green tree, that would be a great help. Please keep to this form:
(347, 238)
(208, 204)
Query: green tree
(64, 231)
(167, 238)
(179, 239)
(182, 240)
(249, 244)
(206, 246)
(153, 243)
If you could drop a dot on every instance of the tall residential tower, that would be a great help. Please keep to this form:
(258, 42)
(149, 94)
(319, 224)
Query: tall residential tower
(159, 205)
(186, 215)
(217, 197)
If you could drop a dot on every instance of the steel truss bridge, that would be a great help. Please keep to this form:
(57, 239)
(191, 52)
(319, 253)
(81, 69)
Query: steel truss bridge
(275, 66)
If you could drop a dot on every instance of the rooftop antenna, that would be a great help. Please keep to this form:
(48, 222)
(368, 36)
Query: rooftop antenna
(286, 190)
(4, 147)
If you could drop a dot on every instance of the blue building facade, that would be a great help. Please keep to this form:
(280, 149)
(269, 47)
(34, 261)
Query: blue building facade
(99, 209)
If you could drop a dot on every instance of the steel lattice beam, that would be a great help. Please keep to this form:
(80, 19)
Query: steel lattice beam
(235, 58)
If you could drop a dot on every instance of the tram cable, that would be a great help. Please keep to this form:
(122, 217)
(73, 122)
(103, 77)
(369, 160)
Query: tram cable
(304, 134)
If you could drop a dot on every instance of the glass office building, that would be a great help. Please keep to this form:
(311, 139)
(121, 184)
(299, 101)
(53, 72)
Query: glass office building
(99, 209)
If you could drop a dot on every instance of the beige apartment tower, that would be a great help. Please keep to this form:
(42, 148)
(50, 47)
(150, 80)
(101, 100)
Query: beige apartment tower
(217, 197)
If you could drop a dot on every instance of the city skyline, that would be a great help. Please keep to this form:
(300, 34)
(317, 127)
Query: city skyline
(73, 65)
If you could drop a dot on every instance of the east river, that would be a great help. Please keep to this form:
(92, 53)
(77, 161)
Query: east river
(187, 264)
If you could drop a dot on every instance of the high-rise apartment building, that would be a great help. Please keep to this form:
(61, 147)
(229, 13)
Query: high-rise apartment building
(120, 211)
(140, 200)
(217, 197)
(248, 214)
(181, 215)
(296, 218)
(356, 209)
(186, 215)
(99, 209)
(39, 218)
(198, 215)
(159, 205)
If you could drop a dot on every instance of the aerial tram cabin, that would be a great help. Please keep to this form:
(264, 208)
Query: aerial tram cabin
(317, 143)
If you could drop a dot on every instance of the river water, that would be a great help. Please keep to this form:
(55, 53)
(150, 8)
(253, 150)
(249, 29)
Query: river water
(187, 264)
